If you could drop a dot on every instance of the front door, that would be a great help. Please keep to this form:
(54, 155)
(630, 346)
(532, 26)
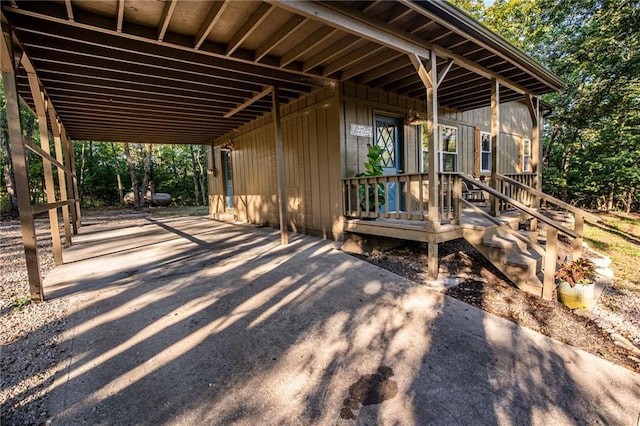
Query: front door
(227, 171)
(389, 138)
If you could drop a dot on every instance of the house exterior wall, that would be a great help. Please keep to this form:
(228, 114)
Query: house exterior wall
(312, 162)
(362, 103)
(320, 149)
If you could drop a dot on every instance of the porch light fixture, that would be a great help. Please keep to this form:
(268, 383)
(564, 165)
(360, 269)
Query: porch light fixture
(414, 119)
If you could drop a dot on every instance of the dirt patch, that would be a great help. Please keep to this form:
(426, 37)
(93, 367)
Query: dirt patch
(485, 287)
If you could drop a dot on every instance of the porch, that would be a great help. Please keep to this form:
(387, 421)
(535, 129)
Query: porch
(500, 221)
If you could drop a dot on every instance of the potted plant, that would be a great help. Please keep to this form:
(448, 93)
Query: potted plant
(373, 167)
(576, 283)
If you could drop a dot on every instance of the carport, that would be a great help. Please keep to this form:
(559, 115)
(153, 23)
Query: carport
(190, 72)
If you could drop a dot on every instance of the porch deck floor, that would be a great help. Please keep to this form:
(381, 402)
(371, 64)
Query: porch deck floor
(416, 230)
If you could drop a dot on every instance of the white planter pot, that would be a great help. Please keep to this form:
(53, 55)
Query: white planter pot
(578, 297)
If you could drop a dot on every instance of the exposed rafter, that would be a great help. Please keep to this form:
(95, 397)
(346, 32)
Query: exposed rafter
(279, 36)
(209, 22)
(249, 102)
(167, 13)
(256, 18)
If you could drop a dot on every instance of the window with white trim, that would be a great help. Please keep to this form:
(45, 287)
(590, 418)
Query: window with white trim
(526, 155)
(485, 152)
(448, 149)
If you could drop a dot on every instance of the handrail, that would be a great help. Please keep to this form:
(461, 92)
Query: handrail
(507, 228)
(550, 198)
(519, 206)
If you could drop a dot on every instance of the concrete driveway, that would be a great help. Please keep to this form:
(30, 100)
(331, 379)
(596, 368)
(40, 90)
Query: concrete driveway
(191, 321)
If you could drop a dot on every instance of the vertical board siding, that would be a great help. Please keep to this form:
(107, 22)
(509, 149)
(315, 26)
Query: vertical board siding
(361, 103)
(311, 139)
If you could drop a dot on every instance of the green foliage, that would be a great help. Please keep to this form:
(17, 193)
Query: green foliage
(20, 303)
(592, 137)
(578, 272)
(373, 167)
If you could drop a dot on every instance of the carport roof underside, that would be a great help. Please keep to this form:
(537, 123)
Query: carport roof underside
(169, 71)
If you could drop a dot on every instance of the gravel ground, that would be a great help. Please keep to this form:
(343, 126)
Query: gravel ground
(29, 333)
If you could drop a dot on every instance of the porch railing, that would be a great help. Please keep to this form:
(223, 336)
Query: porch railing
(530, 197)
(517, 192)
(403, 197)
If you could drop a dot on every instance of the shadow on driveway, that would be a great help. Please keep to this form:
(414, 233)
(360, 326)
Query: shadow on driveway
(191, 321)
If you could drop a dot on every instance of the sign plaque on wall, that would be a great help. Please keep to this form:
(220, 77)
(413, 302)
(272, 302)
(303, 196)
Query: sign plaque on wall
(361, 130)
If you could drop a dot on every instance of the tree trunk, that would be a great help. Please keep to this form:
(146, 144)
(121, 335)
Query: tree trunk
(118, 177)
(83, 165)
(201, 180)
(147, 171)
(196, 188)
(132, 173)
(9, 177)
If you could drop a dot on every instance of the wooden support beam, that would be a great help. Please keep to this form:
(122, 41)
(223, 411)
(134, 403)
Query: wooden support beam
(364, 66)
(120, 16)
(39, 101)
(209, 22)
(279, 36)
(551, 248)
(364, 51)
(67, 3)
(533, 104)
(305, 45)
(18, 160)
(62, 172)
(495, 144)
(167, 13)
(330, 52)
(428, 77)
(72, 180)
(262, 12)
(282, 195)
(42, 153)
(443, 73)
(254, 99)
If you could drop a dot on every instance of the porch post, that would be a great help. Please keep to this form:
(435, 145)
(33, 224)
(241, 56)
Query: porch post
(39, 101)
(533, 104)
(282, 196)
(76, 193)
(430, 79)
(495, 143)
(14, 124)
(62, 183)
(70, 177)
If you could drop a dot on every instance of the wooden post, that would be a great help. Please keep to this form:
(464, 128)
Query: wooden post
(72, 165)
(578, 228)
(46, 164)
(495, 143)
(282, 196)
(27, 224)
(533, 103)
(70, 177)
(550, 263)
(430, 79)
(62, 184)
(433, 214)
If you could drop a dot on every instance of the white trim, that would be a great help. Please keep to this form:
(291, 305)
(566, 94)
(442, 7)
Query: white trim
(482, 135)
(526, 141)
(441, 129)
